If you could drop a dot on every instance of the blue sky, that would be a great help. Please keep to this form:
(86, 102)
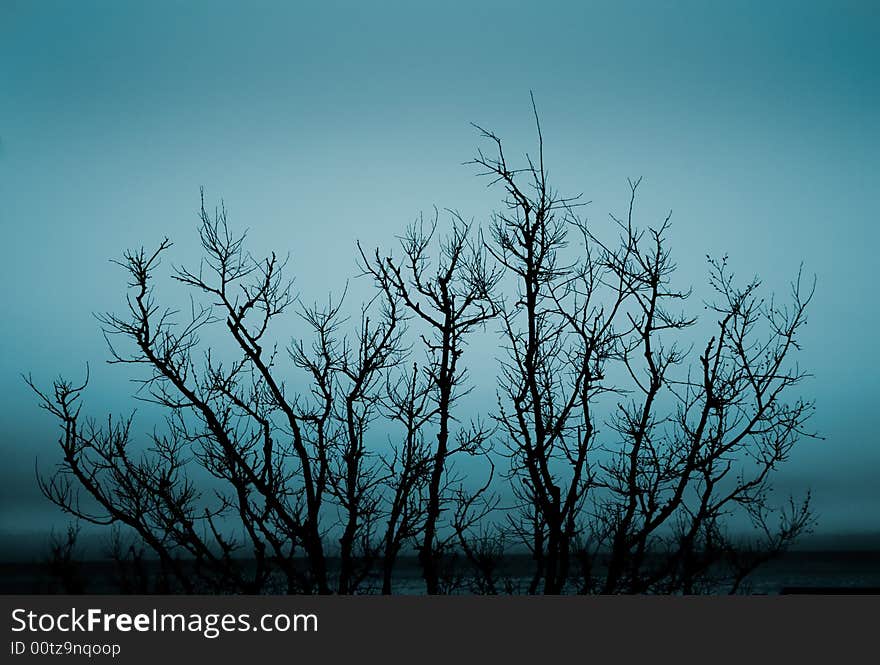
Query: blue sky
(757, 123)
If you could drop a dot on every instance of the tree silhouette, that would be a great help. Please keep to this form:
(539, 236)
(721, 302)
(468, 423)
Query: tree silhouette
(688, 447)
(452, 300)
(629, 462)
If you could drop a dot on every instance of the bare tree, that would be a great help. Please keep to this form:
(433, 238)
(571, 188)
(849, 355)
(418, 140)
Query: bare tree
(235, 418)
(686, 449)
(407, 401)
(685, 475)
(451, 299)
(286, 460)
(351, 379)
(558, 335)
(632, 460)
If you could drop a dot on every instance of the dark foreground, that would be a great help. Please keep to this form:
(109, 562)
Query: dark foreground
(796, 572)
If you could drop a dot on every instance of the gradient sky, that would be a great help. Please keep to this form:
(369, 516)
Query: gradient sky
(319, 123)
